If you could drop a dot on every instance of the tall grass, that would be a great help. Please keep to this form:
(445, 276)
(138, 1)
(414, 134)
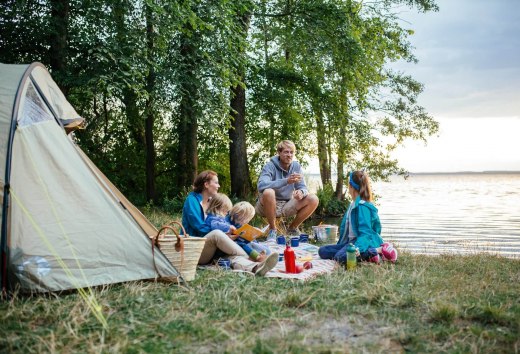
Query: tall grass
(441, 304)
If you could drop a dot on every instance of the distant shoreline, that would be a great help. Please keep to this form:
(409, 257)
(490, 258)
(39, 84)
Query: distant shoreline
(498, 172)
(468, 173)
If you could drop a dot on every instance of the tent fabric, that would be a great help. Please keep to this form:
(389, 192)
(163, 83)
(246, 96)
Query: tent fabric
(33, 109)
(67, 228)
(57, 100)
(143, 222)
(11, 76)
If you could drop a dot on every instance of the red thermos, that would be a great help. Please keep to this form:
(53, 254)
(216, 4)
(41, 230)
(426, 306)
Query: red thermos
(290, 259)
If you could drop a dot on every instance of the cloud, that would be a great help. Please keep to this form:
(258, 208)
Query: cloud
(466, 144)
(468, 57)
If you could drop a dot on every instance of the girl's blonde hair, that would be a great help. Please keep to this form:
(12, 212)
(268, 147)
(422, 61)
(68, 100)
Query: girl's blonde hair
(219, 205)
(242, 213)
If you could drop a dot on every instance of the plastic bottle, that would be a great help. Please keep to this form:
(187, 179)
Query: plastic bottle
(290, 259)
(351, 257)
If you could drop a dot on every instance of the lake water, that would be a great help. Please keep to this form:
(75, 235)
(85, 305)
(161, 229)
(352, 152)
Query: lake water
(454, 213)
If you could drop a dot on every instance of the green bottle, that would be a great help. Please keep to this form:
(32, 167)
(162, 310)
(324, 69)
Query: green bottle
(351, 257)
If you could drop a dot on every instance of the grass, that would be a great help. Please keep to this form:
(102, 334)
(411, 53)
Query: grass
(446, 304)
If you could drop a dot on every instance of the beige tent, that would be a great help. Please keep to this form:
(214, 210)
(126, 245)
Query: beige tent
(64, 225)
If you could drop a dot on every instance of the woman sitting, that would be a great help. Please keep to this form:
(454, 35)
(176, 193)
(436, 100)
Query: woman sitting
(205, 186)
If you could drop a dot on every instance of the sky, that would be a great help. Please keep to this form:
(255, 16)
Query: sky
(469, 63)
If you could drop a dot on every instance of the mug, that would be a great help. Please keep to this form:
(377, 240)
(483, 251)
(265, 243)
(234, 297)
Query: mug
(304, 238)
(280, 240)
(224, 263)
(295, 241)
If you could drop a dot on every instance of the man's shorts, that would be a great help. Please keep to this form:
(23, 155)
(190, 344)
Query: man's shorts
(283, 208)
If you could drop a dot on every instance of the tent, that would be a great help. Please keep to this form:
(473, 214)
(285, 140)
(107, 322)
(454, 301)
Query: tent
(64, 225)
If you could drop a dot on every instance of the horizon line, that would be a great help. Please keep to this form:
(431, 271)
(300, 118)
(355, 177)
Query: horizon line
(448, 172)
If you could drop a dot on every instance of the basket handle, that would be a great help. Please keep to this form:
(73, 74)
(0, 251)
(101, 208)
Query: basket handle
(173, 222)
(179, 245)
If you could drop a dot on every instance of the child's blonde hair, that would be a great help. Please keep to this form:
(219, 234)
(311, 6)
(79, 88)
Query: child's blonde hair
(242, 213)
(219, 205)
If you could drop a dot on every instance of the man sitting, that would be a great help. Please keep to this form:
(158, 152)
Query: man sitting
(283, 191)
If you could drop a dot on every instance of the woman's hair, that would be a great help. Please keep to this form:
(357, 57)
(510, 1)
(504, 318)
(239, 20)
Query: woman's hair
(201, 179)
(219, 205)
(284, 144)
(360, 181)
(242, 213)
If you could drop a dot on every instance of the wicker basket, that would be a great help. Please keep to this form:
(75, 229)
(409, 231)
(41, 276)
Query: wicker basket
(182, 251)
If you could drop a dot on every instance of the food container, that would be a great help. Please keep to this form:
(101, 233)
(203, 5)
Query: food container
(325, 233)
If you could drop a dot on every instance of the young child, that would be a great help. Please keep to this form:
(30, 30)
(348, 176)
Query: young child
(240, 214)
(218, 209)
(360, 226)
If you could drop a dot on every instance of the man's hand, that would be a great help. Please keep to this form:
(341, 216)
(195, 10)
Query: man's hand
(298, 195)
(294, 178)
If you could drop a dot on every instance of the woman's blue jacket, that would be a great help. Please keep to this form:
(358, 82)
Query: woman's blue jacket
(193, 216)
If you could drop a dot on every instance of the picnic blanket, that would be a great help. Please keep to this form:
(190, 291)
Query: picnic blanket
(304, 252)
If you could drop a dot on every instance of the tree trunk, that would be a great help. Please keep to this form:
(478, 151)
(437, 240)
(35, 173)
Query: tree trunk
(150, 157)
(150, 111)
(134, 120)
(58, 40)
(187, 156)
(342, 149)
(323, 157)
(342, 139)
(238, 165)
(188, 145)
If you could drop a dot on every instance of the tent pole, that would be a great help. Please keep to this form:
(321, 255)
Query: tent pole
(4, 249)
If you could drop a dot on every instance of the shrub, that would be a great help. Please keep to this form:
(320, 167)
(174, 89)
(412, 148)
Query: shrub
(174, 205)
(329, 204)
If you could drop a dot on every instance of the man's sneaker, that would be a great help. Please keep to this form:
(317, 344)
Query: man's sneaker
(293, 232)
(271, 236)
(265, 266)
(389, 252)
(376, 259)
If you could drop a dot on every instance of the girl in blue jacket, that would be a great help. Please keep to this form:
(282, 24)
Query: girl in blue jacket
(360, 226)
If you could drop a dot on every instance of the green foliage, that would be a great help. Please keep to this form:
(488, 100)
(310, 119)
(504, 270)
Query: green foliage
(316, 73)
(336, 207)
(174, 205)
(329, 205)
